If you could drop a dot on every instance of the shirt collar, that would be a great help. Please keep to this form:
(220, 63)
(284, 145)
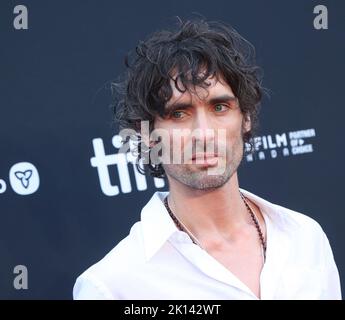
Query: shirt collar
(158, 226)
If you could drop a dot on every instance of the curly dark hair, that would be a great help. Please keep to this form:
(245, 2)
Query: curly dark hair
(198, 45)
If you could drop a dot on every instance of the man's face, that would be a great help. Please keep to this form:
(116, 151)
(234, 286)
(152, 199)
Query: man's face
(214, 113)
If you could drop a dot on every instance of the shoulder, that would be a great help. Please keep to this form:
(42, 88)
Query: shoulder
(300, 229)
(298, 223)
(285, 218)
(311, 255)
(101, 279)
(305, 236)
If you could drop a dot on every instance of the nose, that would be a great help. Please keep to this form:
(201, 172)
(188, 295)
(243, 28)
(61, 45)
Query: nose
(203, 129)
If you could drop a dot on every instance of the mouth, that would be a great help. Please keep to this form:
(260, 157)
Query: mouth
(205, 158)
(203, 155)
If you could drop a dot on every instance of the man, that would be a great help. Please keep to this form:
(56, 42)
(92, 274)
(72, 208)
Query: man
(206, 238)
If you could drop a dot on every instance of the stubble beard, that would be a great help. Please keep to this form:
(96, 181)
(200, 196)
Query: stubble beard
(199, 177)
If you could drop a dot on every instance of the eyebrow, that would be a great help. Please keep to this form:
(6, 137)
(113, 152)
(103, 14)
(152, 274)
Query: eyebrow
(184, 105)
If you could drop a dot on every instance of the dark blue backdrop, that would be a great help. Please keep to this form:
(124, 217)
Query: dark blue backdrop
(54, 101)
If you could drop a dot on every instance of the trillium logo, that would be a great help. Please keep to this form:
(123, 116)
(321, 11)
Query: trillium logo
(24, 178)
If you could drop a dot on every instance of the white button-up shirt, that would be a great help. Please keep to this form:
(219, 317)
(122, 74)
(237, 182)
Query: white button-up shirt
(158, 261)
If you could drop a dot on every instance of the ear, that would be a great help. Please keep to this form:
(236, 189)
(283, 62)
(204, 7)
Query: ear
(148, 142)
(144, 131)
(247, 123)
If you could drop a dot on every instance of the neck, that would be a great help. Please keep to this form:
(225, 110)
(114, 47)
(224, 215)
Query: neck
(211, 213)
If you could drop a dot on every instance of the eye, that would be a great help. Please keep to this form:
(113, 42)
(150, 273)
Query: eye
(177, 114)
(220, 107)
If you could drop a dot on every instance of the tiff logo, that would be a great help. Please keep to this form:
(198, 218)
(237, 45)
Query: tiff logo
(103, 162)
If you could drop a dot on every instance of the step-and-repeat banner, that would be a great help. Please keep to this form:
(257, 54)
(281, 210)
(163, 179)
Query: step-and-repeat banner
(67, 197)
